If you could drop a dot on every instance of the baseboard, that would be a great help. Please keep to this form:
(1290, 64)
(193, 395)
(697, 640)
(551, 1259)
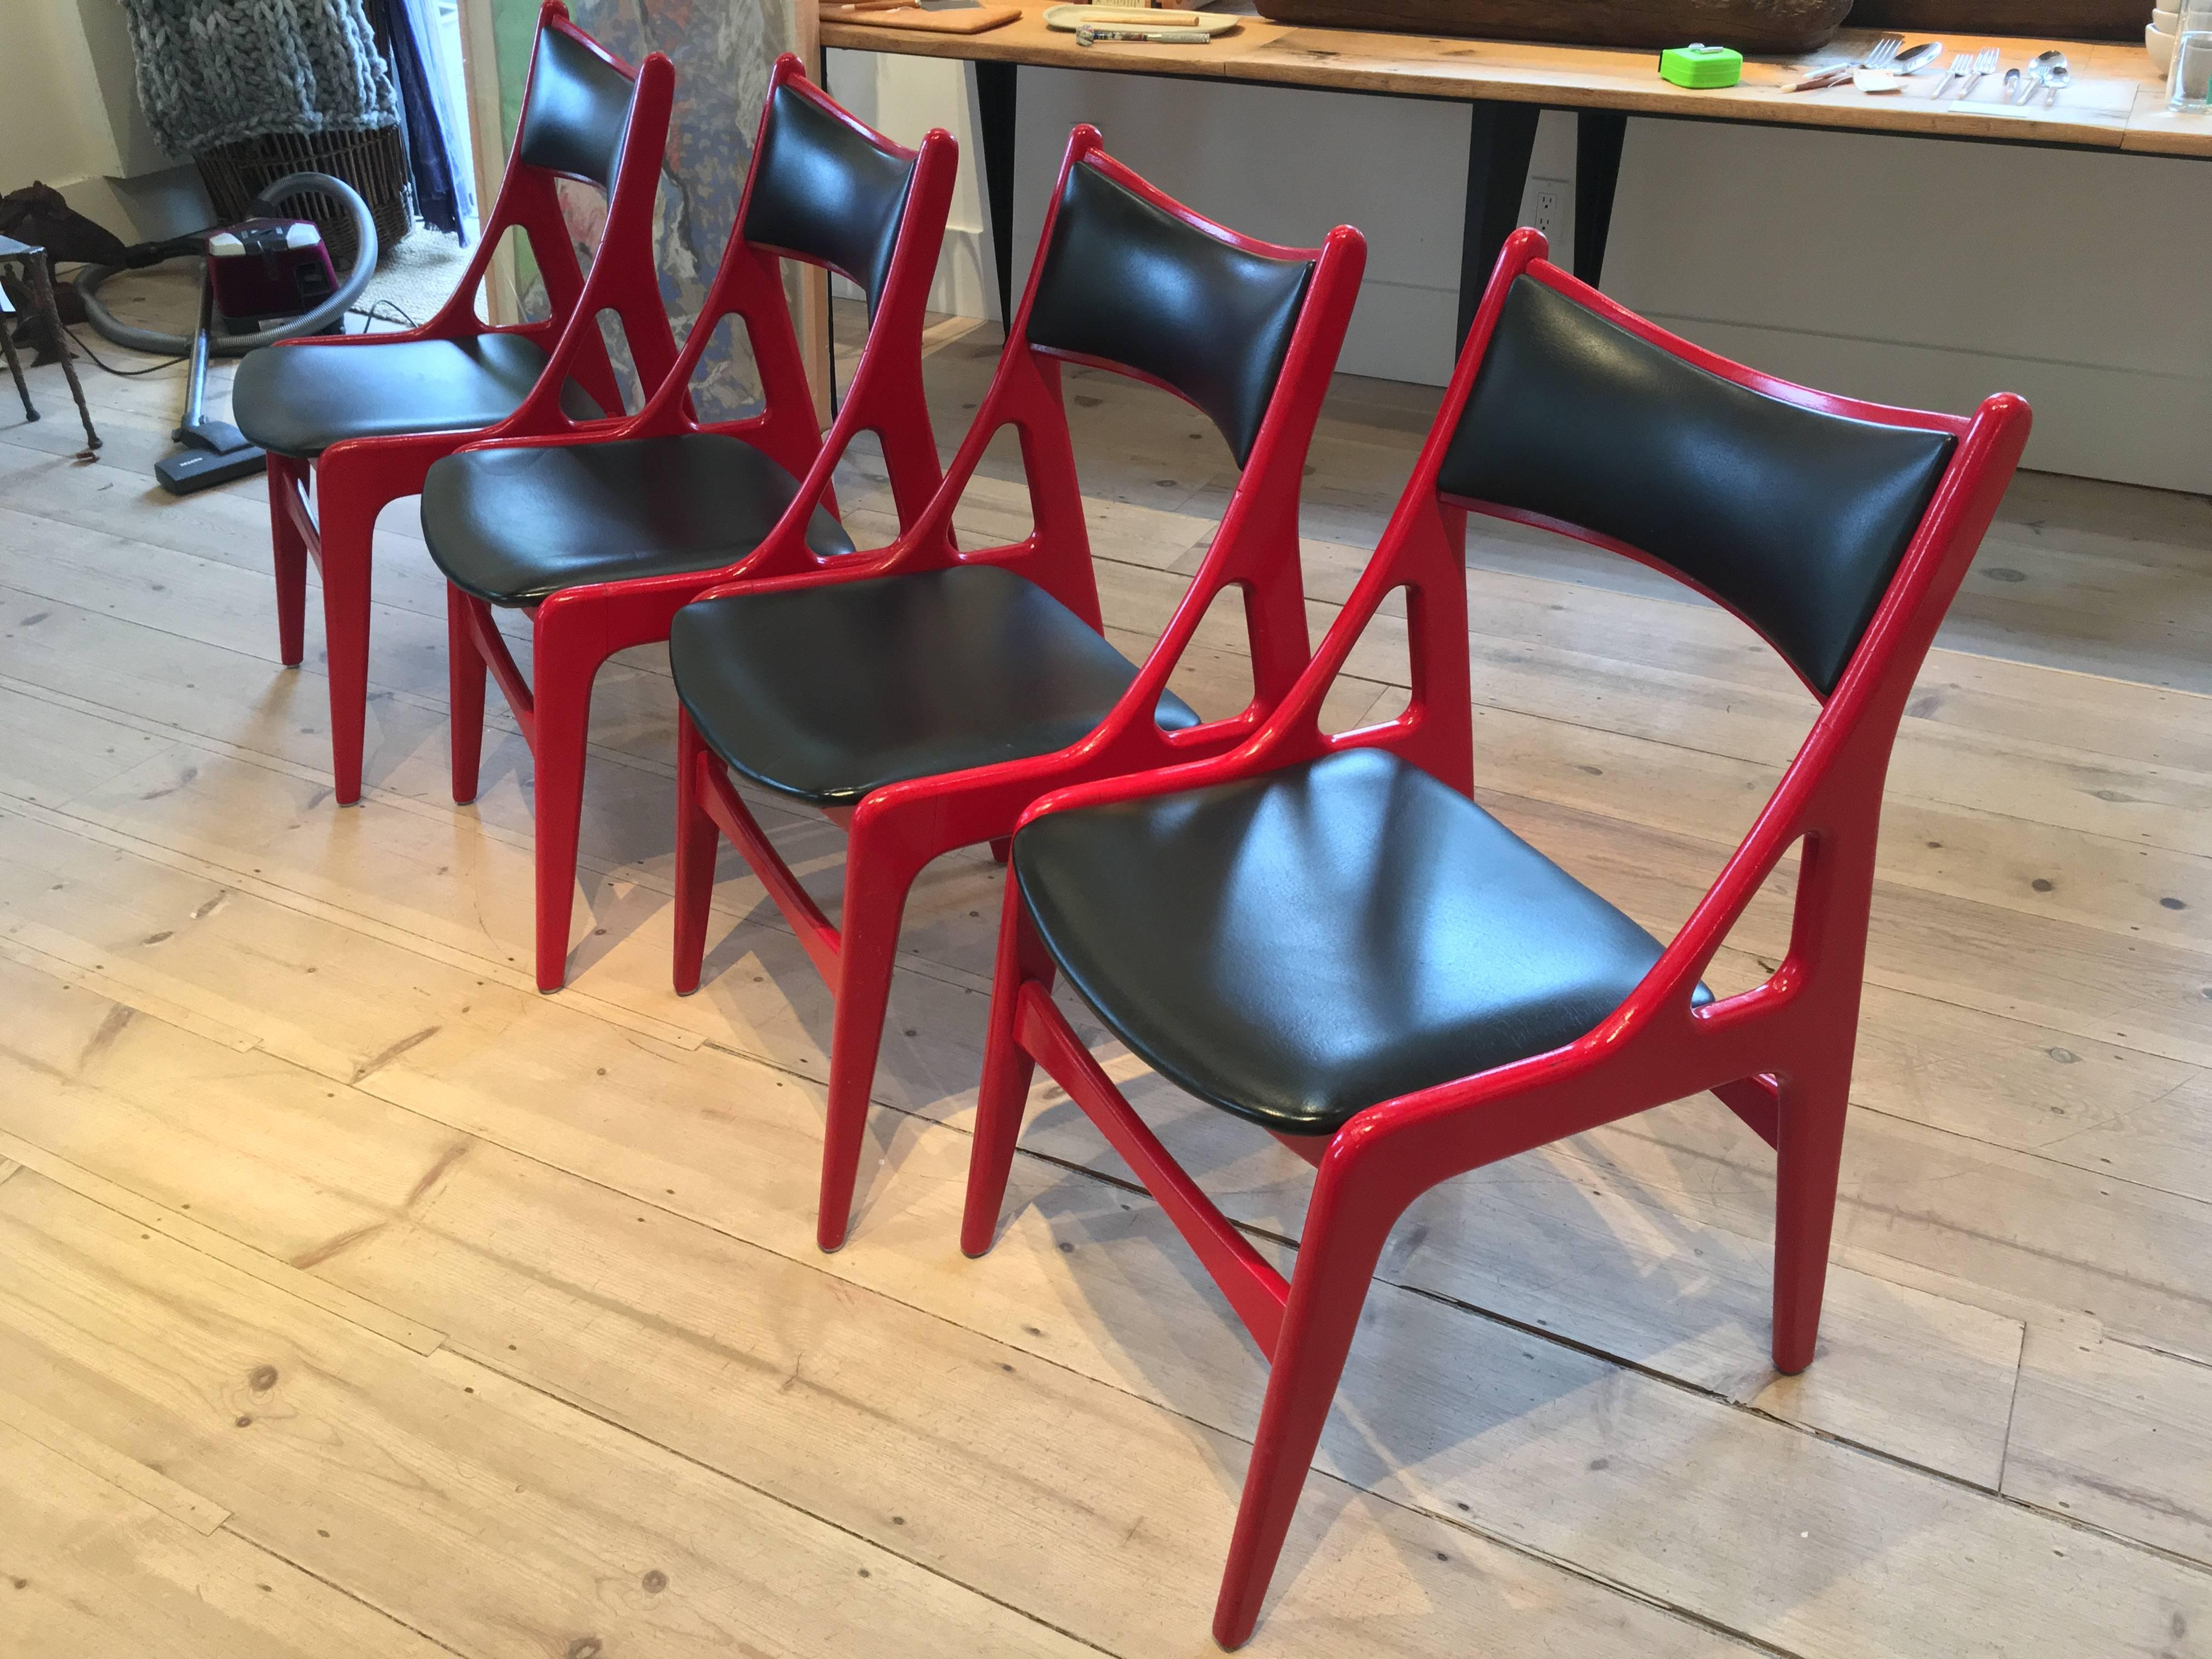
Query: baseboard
(1402, 332)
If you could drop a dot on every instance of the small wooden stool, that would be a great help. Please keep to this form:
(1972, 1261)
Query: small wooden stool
(39, 280)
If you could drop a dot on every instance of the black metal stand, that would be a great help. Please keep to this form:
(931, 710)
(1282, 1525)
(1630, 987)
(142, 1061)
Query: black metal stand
(994, 115)
(15, 363)
(1598, 137)
(1499, 139)
(37, 282)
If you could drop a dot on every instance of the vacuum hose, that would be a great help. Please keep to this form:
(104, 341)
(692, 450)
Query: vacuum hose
(323, 319)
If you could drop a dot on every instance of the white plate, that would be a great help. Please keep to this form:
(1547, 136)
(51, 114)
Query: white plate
(1135, 17)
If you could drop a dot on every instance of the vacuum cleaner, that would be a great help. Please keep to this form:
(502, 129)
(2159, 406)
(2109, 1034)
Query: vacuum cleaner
(264, 279)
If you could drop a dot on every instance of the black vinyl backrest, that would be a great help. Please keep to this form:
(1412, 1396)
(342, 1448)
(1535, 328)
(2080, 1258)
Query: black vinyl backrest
(822, 189)
(1794, 517)
(1128, 283)
(579, 106)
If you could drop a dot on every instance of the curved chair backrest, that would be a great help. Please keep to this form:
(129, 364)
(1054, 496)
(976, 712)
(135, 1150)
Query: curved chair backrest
(576, 110)
(1839, 529)
(587, 116)
(1791, 511)
(1130, 281)
(825, 188)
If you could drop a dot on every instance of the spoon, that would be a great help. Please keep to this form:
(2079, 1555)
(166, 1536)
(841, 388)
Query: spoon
(2038, 66)
(1913, 60)
(2011, 84)
(2055, 81)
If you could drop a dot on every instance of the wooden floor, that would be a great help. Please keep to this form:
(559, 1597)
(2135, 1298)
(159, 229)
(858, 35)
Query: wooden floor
(358, 1300)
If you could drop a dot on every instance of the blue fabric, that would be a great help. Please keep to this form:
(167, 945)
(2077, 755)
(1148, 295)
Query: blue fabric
(437, 160)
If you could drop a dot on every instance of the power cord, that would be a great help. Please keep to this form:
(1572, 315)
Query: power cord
(376, 311)
(120, 373)
(98, 361)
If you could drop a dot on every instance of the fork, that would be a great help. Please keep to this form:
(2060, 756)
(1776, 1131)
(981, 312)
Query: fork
(1961, 67)
(1984, 61)
(1878, 56)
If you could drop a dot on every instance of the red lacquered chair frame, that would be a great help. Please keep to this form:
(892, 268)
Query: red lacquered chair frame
(895, 830)
(355, 480)
(575, 630)
(1778, 1055)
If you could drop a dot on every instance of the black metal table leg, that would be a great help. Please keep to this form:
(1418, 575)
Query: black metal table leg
(1598, 136)
(1498, 149)
(994, 115)
(821, 73)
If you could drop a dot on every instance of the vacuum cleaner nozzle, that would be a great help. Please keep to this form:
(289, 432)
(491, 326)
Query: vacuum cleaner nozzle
(189, 469)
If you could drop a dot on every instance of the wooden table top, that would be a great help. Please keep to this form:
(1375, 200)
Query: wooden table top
(2117, 101)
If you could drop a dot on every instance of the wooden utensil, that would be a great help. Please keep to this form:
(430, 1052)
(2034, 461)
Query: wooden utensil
(962, 20)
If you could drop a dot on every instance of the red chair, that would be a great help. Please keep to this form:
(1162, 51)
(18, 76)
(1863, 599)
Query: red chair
(922, 696)
(602, 538)
(1325, 935)
(364, 416)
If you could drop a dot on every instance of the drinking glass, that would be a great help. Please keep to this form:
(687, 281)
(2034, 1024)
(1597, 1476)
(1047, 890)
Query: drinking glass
(2189, 82)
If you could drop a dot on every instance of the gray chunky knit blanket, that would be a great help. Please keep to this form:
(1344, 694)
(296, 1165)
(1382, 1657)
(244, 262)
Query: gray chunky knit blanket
(214, 71)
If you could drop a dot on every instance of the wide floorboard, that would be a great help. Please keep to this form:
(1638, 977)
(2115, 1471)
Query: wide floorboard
(360, 1299)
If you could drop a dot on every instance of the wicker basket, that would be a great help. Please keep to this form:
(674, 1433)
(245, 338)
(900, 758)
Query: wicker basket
(373, 162)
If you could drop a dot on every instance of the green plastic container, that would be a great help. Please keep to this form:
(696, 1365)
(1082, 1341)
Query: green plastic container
(1701, 66)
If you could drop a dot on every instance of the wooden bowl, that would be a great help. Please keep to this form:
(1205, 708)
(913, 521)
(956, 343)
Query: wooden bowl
(2063, 20)
(1775, 27)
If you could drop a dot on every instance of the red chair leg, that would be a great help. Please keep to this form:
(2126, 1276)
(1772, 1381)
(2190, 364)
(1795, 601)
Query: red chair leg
(697, 841)
(286, 476)
(349, 530)
(877, 872)
(1008, 1069)
(464, 682)
(1343, 1242)
(1002, 847)
(1807, 1161)
(562, 675)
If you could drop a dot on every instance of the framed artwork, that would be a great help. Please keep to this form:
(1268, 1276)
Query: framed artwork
(723, 51)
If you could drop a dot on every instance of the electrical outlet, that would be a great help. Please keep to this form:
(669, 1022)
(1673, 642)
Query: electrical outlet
(1546, 206)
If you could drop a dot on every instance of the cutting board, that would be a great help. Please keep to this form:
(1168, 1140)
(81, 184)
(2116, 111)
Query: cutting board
(952, 20)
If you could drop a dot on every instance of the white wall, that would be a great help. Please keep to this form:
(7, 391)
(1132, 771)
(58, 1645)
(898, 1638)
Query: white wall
(1935, 273)
(53, 120)
(904, 98)
(69, 116)
(1907, 271)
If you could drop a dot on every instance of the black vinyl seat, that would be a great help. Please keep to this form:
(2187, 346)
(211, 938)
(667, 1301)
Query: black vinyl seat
(825, 692)
(1429, 941)
(513, 525)
(298, 400)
